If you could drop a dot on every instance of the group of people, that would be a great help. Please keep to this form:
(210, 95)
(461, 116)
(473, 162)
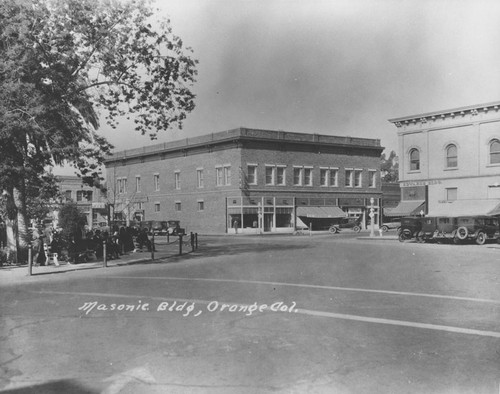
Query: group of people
(82, 245)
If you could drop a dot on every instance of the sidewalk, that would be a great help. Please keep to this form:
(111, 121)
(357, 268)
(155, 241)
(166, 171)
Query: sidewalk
(163, 250)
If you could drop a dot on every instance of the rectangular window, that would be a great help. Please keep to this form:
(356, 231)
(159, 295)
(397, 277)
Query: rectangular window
(199, 176)
(177, 180)
(79, 195)
(451, 194)
(137, 184)
(334, 176)
(227, 175)
(348, 178)
(323, 177)
(269, 175)
(252, 175)
(223, 175)
(308, 179)
(67, 194)
(297, 176)
(219, 176)
(122, 185)
(156, 181)
(157, 207)
(358, 176)
(178, 207)
(201, 205)
(372, 180)
(280, 176)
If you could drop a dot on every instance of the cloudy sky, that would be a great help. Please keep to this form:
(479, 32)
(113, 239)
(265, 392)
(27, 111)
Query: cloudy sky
(337, 67)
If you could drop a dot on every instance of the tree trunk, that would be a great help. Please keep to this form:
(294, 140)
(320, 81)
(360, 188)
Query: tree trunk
(22, 238)
(11, 246)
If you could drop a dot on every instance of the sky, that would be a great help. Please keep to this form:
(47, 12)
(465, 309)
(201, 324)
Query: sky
(330, 67)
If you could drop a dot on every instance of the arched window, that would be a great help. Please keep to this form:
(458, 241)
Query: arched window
(451, 156)
(495, 152)
(414, 160)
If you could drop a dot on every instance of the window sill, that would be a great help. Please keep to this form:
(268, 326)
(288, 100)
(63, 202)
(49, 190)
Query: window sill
(450, 169)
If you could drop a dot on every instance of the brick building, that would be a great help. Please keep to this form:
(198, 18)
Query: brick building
(247, 180)
(450, 161)
(90, 200)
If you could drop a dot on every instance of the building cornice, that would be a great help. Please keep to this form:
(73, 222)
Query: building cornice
(455, 113)
(209, 141)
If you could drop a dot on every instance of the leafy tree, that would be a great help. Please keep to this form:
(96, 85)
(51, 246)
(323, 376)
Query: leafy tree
(71, 220)
(63, 63)
(389, 167)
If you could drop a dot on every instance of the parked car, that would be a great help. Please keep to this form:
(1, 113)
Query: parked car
(477, 228)
(174, 228)
(410, 227)
(345, 223)
(429, 227)
(446, 229)
(391, 225)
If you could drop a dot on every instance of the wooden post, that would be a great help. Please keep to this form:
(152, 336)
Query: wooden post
(153, 247)
(192, 241)
(180, 244)
(30, 259)
(104, 254)
(196, 240)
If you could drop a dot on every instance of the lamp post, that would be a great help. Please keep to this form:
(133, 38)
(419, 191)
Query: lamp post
(372, 215)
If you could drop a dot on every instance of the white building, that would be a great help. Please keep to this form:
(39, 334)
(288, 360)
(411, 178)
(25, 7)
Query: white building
(450, 161)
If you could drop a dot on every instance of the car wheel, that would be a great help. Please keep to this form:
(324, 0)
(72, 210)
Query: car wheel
(333, 229)
(404, 235)
(481, 238)
(462, 233)
(357, 229)
(398, 230)
(385, 229)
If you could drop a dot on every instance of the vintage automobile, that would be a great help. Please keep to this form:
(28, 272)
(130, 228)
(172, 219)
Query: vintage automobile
(391, 225)
(429, 226)
(163, 227)
(174, 228)
(477, 228)
(346, 223)
(410, 227)
(445, 229)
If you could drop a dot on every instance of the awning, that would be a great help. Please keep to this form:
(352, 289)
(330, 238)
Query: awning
(405, 208)
(321, 212)
(466, 208)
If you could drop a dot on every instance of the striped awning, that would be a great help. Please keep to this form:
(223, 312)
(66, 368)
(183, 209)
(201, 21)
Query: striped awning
(406, 208)
(466, 208)
(321, 212)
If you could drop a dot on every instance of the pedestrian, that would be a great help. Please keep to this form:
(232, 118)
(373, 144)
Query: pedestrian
(38, 252)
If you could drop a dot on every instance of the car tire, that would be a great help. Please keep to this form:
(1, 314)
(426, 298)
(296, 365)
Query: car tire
(357, 229)
(333, 230)
(385, 229)
(481, 238)
(404, 235)
(462, 233)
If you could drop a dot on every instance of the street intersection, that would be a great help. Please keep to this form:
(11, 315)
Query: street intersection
(255, 314)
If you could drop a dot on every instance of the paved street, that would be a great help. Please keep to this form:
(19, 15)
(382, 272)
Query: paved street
(253, 314)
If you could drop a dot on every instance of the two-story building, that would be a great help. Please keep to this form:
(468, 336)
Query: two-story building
(247, 180)
(450, 161)
(91, 201)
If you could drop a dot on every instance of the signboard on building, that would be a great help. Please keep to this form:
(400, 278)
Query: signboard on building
(420, 183)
